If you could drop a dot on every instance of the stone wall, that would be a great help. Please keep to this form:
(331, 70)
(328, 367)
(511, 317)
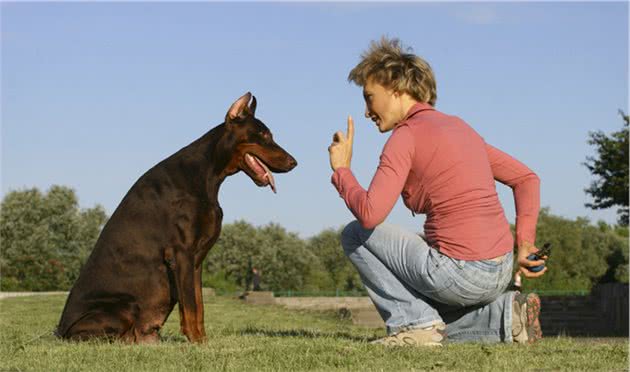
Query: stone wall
(603, 313)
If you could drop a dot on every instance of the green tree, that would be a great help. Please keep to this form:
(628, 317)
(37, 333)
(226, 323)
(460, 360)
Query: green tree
(327, 246)
(285, 260)
(45, 238)
(230, 256)
(610, 167)
(281, 256)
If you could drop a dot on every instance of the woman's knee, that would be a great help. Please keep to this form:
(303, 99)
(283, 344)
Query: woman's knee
(351, 236)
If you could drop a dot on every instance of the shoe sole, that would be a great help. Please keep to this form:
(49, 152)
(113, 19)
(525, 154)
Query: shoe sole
(534, 331)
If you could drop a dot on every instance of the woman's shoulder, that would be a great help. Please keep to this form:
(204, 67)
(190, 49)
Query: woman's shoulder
(426, 121)
(435, 127)
(439, 121)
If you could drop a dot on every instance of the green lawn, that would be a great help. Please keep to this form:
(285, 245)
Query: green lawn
(244, 337)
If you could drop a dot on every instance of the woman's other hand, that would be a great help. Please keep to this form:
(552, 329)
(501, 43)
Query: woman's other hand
(524, 250)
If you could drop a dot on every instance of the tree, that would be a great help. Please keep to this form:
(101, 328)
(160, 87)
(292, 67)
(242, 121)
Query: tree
(327, 246)
(610, 167)
(282, 257)
(229, 256)
(45, 238)
(285, 262)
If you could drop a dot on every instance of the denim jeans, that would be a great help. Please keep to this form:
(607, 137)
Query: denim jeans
(414, 286)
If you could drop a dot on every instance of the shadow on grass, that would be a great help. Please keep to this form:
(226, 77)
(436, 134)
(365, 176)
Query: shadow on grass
(302, 333)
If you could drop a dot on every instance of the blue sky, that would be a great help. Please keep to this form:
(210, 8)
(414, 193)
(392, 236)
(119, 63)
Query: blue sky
(93, 95)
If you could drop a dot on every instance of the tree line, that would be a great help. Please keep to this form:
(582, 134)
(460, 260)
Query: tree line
(584, 254)
(46, 238)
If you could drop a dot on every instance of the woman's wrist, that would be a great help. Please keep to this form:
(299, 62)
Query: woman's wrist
(525, 246)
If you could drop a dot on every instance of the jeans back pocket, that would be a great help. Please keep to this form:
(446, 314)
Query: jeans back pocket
(438, 274)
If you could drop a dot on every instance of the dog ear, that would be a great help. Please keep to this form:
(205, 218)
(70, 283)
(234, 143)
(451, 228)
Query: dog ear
(252, 106)
(239, 108)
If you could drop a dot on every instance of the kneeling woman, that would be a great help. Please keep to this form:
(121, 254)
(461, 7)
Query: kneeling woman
(452, 284)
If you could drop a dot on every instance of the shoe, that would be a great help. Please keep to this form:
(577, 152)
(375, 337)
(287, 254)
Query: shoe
(434, 335)
(525, 323)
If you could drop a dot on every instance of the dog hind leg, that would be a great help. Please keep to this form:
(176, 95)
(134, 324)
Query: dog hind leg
(99, 324)
(109, 317)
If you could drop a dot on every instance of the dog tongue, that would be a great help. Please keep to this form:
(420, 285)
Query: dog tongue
(267, 173)
(272, 182)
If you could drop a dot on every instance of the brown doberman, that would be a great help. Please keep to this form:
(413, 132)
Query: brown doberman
(149, 254)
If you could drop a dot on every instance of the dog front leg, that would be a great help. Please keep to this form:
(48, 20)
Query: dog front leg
(187, 297)
(199, 301)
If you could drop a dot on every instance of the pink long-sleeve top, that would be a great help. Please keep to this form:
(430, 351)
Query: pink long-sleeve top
(444, 169)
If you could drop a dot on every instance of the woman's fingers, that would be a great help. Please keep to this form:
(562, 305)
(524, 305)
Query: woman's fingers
(531, 274)
(350, 128)
(338, 137)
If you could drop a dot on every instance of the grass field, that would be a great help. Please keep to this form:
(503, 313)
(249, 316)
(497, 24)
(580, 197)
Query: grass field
(245, 337)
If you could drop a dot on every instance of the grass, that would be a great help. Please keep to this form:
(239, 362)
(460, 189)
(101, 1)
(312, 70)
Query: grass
(246, 337)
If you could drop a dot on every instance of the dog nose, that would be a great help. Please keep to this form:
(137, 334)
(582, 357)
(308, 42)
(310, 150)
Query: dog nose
(292, 162)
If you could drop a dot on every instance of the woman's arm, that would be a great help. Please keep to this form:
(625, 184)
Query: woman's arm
(371, 207)
(525, 186)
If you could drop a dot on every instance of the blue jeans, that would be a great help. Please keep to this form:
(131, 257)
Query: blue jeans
(414, 286)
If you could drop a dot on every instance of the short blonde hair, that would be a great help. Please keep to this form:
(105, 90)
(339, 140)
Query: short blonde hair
(387, 63)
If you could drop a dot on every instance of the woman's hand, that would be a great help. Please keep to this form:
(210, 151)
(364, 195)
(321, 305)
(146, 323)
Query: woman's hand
(524, 250)
(340, 150)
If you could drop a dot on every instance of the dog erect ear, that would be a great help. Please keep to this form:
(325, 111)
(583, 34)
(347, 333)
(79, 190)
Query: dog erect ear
(252, 106)
(239, 108)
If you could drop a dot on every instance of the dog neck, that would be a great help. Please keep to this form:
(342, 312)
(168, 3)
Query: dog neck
(216, 156)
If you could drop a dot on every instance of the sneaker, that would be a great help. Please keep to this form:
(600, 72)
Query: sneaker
(434, 335)
(525, 323)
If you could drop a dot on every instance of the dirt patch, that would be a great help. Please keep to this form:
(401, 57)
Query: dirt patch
(360, 309)
(324, 303)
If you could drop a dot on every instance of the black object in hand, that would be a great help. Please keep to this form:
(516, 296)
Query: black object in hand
(545, 251)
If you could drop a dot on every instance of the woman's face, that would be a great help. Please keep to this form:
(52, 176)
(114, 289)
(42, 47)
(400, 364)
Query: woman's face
(382, 105)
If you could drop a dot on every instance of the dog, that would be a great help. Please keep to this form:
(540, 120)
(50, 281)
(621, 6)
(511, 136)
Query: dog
(149, 254)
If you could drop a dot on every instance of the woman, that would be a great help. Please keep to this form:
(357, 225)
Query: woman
(452, 284)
